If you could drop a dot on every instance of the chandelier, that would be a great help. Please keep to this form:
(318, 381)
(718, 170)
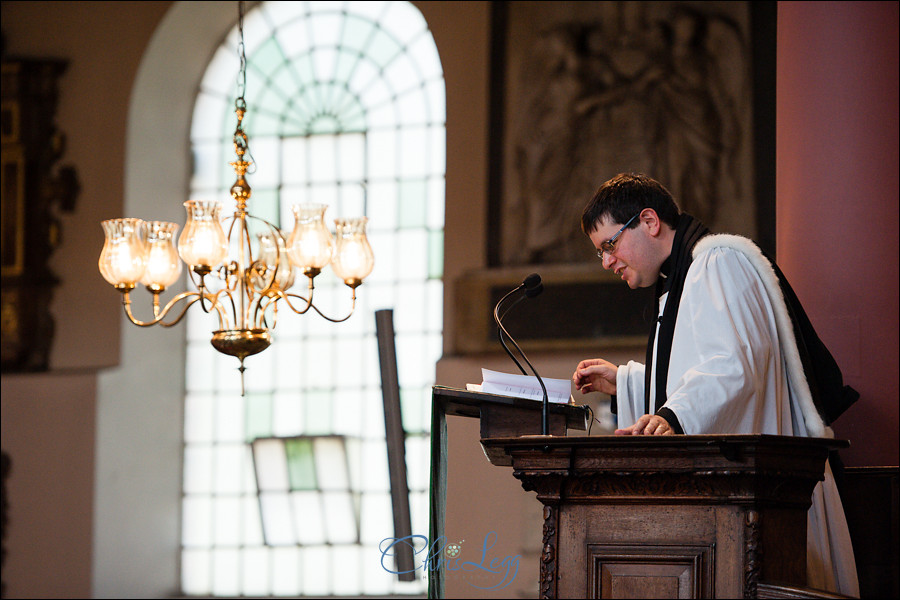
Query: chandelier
(240, 279)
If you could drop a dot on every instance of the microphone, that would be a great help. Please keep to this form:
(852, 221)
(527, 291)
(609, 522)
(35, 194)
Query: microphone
(532, 286)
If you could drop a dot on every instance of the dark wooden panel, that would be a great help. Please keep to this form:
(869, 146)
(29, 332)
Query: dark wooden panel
(650, 571)
(646, 581)
(870, 498)
(506, 422)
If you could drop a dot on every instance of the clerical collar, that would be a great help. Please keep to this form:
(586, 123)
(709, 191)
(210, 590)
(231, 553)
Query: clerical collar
(665, 267)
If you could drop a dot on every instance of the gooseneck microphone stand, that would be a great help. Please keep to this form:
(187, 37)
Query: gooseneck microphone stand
(533, 287)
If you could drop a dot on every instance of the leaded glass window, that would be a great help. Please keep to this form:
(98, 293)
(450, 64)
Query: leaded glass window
(345, 108)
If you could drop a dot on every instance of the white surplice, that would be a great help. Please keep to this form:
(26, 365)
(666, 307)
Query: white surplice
(735, 368)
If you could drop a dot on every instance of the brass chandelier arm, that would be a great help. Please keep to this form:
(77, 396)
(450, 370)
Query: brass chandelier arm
(262, 306)
(201, 293)
(219, 305)
(240, 276)
(210, 300)
(267, 274)
(160, 315)
(341, 320)
(282, 295)
(309, 304)
(260, 269)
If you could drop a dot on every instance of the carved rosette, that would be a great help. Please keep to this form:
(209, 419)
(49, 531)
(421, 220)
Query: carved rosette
(752, 552)
(549, 566)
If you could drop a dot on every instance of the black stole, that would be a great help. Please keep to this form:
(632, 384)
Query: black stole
(687, 234)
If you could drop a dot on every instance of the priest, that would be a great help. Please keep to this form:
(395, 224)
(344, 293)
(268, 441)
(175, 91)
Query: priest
(731, 350)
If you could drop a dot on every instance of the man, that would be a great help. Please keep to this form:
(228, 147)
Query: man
(723, 357)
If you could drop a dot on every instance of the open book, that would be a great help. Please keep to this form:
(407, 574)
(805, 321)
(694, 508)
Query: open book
(559, 391)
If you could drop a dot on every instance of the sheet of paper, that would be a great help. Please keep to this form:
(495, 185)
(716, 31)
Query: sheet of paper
(525, 386)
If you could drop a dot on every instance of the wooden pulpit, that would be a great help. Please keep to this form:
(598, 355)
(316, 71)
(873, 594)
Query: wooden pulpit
(686, 516)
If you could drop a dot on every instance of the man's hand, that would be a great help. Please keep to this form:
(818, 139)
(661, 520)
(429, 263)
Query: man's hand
(648, 425)
(595, 375)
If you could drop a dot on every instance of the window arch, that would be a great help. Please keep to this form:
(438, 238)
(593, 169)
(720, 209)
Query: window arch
(346, 108)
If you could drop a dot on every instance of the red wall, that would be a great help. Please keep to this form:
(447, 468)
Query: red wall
(837, 199)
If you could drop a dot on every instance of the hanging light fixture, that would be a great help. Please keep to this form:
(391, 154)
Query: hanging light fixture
(242, 286)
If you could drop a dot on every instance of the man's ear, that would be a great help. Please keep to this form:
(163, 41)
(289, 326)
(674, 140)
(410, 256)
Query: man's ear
(651, 221)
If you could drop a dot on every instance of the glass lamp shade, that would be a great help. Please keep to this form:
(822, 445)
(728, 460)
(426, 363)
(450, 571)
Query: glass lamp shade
(202, 243)
(103, 261)
(163, 264)
(122, 259)
(272, 252)
(311, 244)
(353, 259)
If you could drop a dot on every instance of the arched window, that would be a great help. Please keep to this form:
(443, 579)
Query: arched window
(345, 108)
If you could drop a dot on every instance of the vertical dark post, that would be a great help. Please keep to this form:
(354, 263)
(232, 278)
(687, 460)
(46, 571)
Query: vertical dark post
(437, 495)
(545, 416)
(396, 442)
(764, 30)
(497, 101)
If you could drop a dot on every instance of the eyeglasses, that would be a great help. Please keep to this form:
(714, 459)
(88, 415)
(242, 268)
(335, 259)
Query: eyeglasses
(610, 244)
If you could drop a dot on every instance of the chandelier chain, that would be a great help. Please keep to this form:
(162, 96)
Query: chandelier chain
(241, 143)
(242, 73)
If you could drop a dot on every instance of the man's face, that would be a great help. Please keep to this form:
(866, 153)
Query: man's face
(632, 258)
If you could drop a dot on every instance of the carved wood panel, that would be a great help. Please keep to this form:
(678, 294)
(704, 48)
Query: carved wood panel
(650, 571)
(33, 190)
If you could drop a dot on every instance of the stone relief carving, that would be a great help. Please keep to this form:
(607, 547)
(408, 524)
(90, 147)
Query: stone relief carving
(658, 87)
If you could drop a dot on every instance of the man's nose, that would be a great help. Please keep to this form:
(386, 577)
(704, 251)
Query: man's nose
(608, 260)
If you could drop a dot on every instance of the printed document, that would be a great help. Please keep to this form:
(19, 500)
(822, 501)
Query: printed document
(559, 391)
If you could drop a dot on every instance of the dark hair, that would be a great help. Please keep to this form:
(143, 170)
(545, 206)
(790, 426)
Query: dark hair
(624, 196)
